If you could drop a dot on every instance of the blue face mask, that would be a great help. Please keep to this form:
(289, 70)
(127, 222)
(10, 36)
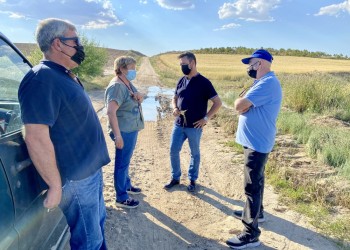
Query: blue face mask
(131, 75)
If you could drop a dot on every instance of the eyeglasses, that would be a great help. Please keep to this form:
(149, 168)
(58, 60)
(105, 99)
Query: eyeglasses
(75, 39)
(251, 66)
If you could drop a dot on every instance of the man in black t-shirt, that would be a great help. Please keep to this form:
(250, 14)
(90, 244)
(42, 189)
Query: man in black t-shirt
(64, 136)
(190, 105)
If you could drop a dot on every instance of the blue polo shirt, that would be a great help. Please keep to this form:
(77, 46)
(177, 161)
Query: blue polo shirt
(48, 95)
(193, 97)
(257, 127)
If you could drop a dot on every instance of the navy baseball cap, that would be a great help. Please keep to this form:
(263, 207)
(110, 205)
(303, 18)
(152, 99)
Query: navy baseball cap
(260, 53)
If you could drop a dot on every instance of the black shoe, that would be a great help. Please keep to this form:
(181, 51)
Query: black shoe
(192, 186)
(238, 214)
(133, 190)
(171, 184)
(242, 241)
(129, 203)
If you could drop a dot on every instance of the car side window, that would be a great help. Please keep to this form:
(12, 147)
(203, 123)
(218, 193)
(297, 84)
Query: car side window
(12, 71)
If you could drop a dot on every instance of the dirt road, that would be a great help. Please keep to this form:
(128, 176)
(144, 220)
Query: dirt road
(203, 220)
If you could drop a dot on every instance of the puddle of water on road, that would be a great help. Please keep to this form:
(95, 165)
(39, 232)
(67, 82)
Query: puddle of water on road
(150, 104)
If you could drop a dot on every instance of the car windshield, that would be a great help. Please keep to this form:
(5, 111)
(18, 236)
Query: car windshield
(12, 70)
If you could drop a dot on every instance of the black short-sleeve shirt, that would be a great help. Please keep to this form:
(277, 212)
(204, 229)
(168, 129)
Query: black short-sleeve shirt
(48, 95)
(193, 97)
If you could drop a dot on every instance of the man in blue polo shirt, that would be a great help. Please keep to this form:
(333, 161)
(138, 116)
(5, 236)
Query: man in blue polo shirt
(258, 109)
(64, 136)
(190, 104)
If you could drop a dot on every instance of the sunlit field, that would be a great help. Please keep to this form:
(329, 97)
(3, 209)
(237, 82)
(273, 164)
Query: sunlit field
(230, 67)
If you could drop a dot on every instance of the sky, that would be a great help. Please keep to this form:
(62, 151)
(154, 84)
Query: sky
(157, 26)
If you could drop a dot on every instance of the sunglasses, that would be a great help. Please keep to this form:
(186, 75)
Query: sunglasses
(75, 39)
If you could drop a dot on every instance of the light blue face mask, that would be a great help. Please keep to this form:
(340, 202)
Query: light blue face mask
(131, 75)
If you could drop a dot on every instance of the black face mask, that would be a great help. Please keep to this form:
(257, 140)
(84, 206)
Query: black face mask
(185, 69)
(79, 55)
(252, 73)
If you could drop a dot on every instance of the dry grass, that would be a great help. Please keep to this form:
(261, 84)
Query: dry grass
(226, 67)
(296, 65)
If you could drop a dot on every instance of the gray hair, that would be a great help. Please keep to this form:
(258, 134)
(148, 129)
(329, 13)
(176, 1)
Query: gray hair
(122, 62)
(49, 29)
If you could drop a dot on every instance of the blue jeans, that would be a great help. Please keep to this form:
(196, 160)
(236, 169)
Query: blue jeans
(254, 180)
(84, 208)
(121, 166)
(178, 137)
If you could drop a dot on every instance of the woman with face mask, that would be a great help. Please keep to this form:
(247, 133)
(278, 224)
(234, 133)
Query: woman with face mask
(125, 119)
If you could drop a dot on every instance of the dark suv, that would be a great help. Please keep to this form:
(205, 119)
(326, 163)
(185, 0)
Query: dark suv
(24, 222)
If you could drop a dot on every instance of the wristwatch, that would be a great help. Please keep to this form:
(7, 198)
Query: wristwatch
(205, 118)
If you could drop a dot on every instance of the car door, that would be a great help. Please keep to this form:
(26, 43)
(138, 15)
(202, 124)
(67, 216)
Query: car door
(8, 234)
(28, 224)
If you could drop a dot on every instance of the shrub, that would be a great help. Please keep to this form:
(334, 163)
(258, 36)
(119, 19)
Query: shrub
(95, 59)
(317, 92)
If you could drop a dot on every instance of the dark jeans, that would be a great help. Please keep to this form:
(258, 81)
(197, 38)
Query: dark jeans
(254, 167)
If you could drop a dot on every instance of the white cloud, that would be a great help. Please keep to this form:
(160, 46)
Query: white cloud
(249, 10)
(88, 14)
(16, 15)
(98, 24)
(335, 9)
(228, 26)
(143, 1)
(176, 4)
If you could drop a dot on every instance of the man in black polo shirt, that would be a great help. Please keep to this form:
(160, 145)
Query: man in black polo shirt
(64, 136)
(190, 105)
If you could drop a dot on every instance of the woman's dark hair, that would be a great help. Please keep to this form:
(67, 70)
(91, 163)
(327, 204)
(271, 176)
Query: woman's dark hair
(190, 56)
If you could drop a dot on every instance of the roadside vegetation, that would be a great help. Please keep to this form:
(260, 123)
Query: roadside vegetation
(315, 114)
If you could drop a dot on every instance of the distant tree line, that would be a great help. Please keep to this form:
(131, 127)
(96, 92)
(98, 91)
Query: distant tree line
(277, 52)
